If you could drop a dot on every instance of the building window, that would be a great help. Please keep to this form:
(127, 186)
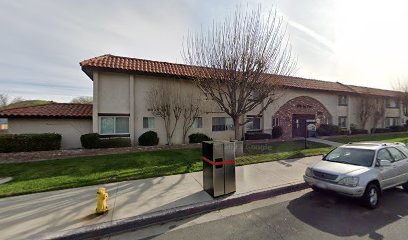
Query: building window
(254, 96)
(392, 103)
(275, 122)
(392, 121)
(148, 122)
(342, 100)
(3, 124)
(343, 122)
(254, 123)
(114, 125)
(222, 124)
(198, 122)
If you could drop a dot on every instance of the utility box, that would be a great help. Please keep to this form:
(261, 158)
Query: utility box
(218, 167)
(239, 148)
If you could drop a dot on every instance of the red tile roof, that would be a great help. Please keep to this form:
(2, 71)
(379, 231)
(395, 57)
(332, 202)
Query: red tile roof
(52, 110)
(143, 66)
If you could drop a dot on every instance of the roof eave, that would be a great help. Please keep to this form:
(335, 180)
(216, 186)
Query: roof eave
(44, 117)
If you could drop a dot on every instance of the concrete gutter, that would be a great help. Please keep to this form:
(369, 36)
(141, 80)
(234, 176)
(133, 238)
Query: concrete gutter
(134, 223)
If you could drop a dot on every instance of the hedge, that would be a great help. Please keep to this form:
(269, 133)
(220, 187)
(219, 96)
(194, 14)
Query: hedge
(93, 140)
(380, 130)
(257, 136)
(277, 132)
(354, 131)
(149, 138)
(398, 128)
(90, 140)
(198, 138)
(328, 130)
(115, 142)
(30, 142)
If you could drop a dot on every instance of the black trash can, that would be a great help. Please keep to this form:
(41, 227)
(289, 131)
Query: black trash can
(218, 167)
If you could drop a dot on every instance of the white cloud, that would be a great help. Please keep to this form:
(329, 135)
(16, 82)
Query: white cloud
(42, 42)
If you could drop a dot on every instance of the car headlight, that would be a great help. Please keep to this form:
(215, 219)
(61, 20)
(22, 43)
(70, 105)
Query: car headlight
(349, 181)
(309, 172)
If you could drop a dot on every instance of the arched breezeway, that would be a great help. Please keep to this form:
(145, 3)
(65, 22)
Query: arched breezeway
(292, 116)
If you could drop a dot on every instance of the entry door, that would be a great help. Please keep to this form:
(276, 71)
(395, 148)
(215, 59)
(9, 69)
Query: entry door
(299, 124)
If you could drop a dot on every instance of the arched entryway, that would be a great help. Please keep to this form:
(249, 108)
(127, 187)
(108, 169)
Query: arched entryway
(294, 114)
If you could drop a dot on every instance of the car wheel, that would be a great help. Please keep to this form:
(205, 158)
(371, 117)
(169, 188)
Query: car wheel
(371, 197)
(405, 186)
(316, 189)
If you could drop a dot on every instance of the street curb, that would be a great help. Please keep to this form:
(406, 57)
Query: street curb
(141, 221)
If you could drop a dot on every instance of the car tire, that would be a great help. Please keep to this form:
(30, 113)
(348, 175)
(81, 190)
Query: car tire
(405, 186)
(316, 189)
(371, 197)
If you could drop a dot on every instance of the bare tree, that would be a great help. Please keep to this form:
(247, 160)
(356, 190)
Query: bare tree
(4, 100)
(379, 111)
(237, 57)
(366, 110)
(164, 102)
(191, 108)
(82, 99)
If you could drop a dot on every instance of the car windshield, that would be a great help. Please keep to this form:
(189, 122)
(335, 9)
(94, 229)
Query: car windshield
(354, 156)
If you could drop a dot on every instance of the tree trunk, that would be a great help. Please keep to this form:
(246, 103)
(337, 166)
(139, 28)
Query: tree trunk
(184, 137)
(236, 127)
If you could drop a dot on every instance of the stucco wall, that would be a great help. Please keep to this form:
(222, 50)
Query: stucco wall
(144, 83)
(115, 93)
(70, 129)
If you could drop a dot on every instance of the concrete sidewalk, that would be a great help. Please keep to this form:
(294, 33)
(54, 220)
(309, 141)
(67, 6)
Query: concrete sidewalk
(42, 215)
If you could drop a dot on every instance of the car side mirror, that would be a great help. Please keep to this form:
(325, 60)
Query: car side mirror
(385, 163)
(323, 155)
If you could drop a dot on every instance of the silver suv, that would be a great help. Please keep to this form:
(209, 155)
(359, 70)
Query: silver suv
(361, 170)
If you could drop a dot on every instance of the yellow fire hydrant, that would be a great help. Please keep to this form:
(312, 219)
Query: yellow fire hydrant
(101, 196)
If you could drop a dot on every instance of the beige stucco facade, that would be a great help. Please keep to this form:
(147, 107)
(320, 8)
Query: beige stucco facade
(125, 94)
(117, 103)
(70, 129)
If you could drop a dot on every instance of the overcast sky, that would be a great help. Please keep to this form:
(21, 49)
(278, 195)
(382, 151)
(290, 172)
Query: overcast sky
(360, 42)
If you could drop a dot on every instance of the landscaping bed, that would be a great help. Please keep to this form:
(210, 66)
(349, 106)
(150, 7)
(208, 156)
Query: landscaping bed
(31, 177)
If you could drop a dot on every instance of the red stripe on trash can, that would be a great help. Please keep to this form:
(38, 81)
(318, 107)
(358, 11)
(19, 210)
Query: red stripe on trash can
(218, 163)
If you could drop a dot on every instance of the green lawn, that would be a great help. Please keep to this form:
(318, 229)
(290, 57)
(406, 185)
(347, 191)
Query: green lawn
(392, 137)
(76, 172)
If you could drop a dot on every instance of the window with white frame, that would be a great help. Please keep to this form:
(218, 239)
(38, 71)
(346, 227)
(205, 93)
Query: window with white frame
(254, 123)
(392, 121)
(114, 125)
(222, 124)
(148, 122)
(342, 100)
(275, 122)
(254, 95)
(343, 122)
(198, 122)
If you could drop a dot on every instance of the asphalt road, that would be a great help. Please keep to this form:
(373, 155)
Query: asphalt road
(300, 215)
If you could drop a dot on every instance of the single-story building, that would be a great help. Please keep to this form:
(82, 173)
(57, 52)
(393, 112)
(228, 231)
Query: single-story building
(69, 120)
(120, 85)
(3, 125)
